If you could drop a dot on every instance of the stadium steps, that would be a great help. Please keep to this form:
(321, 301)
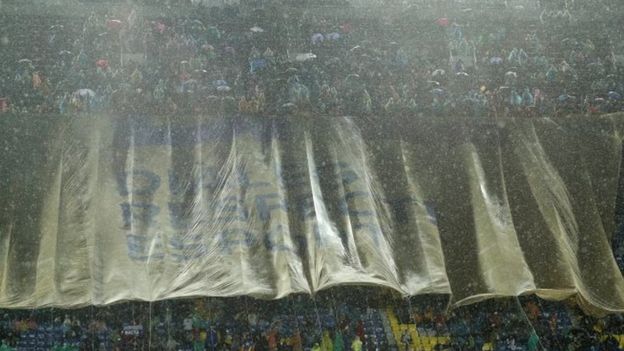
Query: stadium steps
(388, 330)
(419, 342)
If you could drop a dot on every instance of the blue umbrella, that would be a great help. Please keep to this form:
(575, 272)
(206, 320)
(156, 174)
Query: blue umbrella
(333, 36)
(438, 91)
(614, 95)
(317, 38)
(495, 60)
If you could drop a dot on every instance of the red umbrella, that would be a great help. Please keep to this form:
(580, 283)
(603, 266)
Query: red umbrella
(102, 63)
(442, 21)
(160, 27)
(4, 104)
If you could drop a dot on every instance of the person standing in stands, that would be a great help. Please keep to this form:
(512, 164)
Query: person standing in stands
(356, 345)
(326, 342)
(533, 342)
(338, 341)
(406, 339)
(212, 339)
(359, 329)
(272, 339)
(4, 346)
(295, 341)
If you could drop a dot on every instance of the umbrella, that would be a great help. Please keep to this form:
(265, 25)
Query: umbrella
(569, 42)
(317, 38)
(511, 74)
(438, 91)
(223, 88)
(220, 83)
(305, 57)
(113, 24)
(84, 93)
(160, 27)
(352, 76)
(102, 63)
(614, 95)
(442, 21)
(495, 60)
(197, 23)
(438, 72)
(333, 36)
(256, 29)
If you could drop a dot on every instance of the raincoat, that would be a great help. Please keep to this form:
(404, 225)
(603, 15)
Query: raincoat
(338, 342)
(326, 343)
(533, 342)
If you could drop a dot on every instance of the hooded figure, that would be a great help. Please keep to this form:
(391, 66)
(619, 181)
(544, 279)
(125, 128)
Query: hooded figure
(338, 342)
(533, 342)
(5, 347)
(356, 345)
(326, 343)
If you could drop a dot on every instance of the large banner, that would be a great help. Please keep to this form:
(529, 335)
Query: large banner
(98, 209)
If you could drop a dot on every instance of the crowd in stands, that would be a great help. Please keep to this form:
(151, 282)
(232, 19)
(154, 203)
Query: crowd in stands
(268, 62)
(342, 320)
(296, 323)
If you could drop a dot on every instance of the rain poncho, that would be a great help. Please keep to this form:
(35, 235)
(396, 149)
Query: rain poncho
(533, 342)
(339, 342)
(326, 343)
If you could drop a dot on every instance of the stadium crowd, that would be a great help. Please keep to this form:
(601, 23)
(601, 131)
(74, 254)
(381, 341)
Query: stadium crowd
(268, 62)
(338, 321)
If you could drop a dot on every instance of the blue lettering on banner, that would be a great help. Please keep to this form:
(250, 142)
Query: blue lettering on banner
(232, 238)
(273, 240)
(372, 230)
(304, 206)
(140, 215)
(206, 176)
(144, 211)
(143, 183)
(264, 208)
(177, 214)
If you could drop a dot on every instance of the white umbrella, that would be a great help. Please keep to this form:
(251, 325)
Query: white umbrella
(84, 93)
(305, 57)
(438, 72)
